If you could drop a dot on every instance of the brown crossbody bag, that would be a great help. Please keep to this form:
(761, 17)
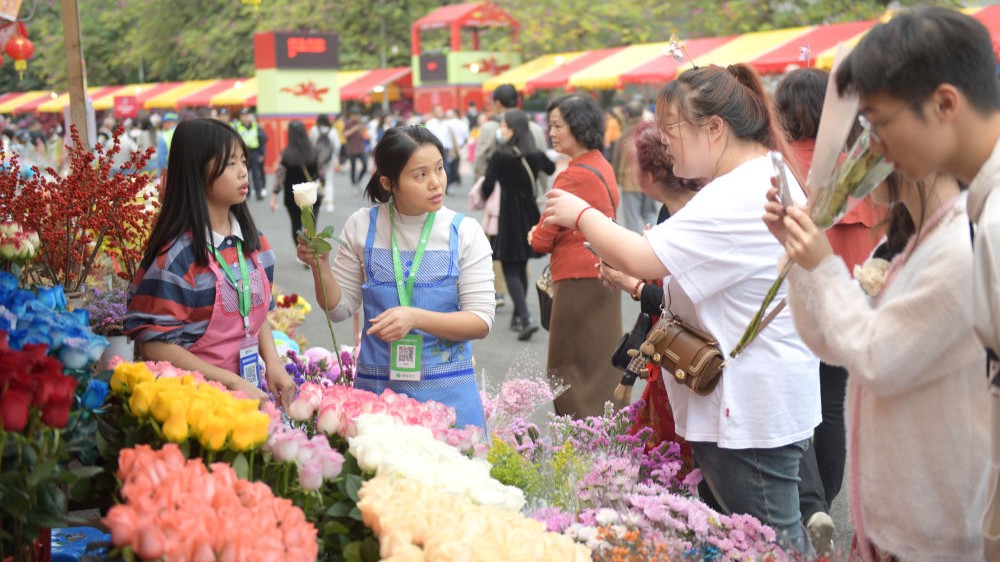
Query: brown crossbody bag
(688, 355)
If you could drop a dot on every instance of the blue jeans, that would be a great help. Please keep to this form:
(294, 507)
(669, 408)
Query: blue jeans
(760, 482)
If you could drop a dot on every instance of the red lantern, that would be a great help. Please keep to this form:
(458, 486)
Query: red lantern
(20, 49)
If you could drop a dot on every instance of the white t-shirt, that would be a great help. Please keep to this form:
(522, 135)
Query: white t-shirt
(722, 260)
(476, 293)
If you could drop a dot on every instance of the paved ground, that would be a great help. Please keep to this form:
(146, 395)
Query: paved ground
(499, 353)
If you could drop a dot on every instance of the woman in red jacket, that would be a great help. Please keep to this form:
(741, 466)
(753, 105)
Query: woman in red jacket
(586, 317)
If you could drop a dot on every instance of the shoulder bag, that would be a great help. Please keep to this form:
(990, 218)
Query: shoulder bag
(691, 356)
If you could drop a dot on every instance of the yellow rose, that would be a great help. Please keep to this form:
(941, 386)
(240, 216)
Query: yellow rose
(250, 430)
(213, 432)
(168, 400)
(142, 399)
(245, 406)
(128, 375)
(176, 427)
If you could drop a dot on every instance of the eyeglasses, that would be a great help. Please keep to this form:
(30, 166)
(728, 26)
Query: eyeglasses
(668, 128)
(875, 126)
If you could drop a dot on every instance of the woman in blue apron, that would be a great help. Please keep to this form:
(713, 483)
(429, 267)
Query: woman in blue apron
(423, 274)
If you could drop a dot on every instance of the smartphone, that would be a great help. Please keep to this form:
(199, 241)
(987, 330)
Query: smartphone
(591, 249)
(781, 175)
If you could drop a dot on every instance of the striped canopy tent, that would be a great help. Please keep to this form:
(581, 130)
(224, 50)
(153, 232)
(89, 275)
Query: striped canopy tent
(606, 74)
(989, 16)
(168, 99)
(519, 75)
(803, 50)
(375, 82)
(242, 93)
(61, 102)
(345, 77)
(663, 67)
(24, 102)
(228, 91)
(746, 48)
(558, 77)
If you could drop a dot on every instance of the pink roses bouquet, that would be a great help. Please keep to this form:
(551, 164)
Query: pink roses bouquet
(177, 509)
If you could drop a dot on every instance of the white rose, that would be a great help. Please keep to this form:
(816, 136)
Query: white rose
(872, 275)
(305, 193)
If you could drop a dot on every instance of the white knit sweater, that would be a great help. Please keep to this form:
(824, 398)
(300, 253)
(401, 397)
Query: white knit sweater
(916, 407)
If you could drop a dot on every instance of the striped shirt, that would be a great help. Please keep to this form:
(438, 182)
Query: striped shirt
(172, 301)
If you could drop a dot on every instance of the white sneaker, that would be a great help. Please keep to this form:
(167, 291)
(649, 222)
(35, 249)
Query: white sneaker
(820, 527)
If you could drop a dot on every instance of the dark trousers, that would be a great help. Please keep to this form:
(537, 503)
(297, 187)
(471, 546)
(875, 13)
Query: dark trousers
(821, 473)
(451, 170)
(516, 275)
(256, 165)
(355, 158)
(295, 214)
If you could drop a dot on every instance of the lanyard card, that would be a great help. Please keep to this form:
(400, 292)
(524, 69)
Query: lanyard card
(404, 358)
(249, 364)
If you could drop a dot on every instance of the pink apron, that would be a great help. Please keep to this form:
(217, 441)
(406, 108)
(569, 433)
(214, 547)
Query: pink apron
(225, 336)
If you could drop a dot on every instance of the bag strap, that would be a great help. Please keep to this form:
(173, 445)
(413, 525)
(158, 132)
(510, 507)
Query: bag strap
(767, 319)
(527, 167)
(306, 172)
(611, 197)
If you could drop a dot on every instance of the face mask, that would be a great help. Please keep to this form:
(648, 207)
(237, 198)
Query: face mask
(500, 136)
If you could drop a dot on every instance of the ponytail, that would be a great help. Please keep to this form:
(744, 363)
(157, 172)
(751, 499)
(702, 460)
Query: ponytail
(736, 95)
(374, 190)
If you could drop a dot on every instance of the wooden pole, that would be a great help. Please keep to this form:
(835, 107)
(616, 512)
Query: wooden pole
(75, 69)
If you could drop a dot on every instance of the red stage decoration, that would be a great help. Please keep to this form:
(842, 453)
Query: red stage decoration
(20, 49)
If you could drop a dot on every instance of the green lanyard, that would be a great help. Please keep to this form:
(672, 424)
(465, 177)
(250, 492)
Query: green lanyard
(243, 286)
(405, 284)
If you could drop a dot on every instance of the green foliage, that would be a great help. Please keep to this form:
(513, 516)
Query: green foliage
(33, 476)
(547, 477)
(127, 41)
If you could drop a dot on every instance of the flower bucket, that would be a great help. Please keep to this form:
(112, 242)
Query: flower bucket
(119, 345)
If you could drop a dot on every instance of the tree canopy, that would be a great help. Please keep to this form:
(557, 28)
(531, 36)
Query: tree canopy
(127, 41)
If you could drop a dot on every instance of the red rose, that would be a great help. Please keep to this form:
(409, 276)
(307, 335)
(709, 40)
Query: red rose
(56, 410)
(34, 353)
(14, 409)
(294, 298)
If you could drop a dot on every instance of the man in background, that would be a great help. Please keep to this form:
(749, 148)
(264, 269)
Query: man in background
(255, 139)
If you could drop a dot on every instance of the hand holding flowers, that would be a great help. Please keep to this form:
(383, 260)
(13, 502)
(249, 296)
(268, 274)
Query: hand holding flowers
(316, 245)
(830, 198)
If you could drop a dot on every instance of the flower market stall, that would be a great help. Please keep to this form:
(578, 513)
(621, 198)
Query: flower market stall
(180, 468)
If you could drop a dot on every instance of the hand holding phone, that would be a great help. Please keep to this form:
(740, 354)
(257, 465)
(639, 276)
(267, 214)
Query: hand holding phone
(781, 176)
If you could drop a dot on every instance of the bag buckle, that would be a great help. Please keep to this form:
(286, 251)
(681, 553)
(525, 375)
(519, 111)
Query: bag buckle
(680, 374)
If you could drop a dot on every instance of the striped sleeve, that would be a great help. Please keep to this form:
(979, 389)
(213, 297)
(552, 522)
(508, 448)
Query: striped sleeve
(267, 260)
(172, 300)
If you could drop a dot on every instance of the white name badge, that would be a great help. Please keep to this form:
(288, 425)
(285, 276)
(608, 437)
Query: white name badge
(404, 358)
(249, 364)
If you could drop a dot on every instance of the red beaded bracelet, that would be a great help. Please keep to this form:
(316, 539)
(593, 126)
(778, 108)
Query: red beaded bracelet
(636, 295)
(585, 209)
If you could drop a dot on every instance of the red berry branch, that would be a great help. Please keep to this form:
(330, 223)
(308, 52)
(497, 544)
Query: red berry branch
(93, 207)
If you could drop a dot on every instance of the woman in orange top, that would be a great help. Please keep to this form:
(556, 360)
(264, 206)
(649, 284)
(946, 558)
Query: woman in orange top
(586, 317)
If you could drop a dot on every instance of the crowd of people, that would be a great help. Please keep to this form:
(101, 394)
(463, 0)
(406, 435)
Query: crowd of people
(674, 204)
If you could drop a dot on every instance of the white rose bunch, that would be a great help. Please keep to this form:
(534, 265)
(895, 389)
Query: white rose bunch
(390, 448)
(872, 275)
